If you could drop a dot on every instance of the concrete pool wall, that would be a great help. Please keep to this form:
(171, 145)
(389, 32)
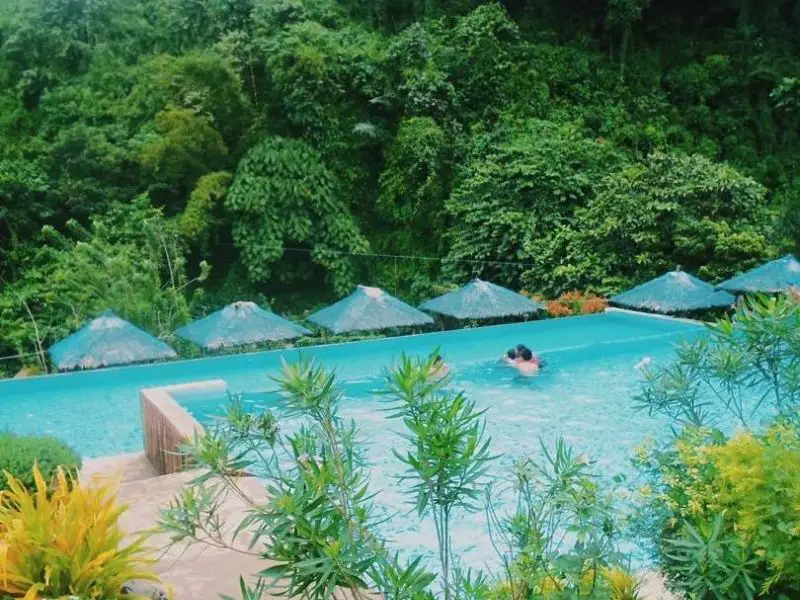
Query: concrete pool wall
(166, 425)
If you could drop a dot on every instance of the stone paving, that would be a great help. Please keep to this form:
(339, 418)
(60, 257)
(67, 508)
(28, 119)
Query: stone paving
(194, 573)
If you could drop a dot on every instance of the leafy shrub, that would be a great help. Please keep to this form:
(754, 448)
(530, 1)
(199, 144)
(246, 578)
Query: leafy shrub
(449, 456)
(746, 364)
(557, 309)
(727, 512)
(554, 496)
(65, 542)
(19, 453)
(723, 512)
(319, 527)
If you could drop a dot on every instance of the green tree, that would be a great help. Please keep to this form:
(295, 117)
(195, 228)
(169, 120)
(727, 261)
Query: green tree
(130, 261)
(677, 210)
(413, 182)
(203, 217)
(182, 147)
(283, 194)
(520, 184)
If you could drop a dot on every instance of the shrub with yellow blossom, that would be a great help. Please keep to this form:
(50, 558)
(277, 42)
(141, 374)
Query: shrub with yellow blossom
(733, 500)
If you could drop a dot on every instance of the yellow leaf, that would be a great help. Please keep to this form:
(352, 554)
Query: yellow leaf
(74, 532)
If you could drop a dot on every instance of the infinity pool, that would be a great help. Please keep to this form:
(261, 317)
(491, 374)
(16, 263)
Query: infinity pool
(583, 395)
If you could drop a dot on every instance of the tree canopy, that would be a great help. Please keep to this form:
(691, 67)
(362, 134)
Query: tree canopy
(582, 145)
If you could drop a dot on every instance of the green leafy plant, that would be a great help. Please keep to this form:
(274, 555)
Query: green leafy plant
(315, 526)
(273, 202)
(316, 530)
(746, 363)
(721, 511)
(19, 454)
(562, 536)
(449, 452)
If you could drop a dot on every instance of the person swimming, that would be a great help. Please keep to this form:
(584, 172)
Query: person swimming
(523, 359)
(439, 368)
(510, 356)
(528, 363)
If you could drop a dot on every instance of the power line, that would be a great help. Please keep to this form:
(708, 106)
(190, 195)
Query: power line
(367, 254)
(19, 356)
(413, 257)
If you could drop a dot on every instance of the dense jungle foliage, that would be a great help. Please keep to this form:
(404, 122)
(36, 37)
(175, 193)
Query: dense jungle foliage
(162, 157)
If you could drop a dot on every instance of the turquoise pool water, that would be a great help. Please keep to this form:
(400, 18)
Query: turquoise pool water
(583, 395)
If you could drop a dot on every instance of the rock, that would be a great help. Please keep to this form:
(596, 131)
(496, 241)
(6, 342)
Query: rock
(144, 589)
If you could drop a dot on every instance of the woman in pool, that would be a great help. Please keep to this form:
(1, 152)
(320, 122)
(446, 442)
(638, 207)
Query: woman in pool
(510, 357)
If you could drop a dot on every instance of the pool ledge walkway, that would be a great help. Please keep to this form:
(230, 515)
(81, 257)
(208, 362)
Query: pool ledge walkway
(198, 572)
(202, 572)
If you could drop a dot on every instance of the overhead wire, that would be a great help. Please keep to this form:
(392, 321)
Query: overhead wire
(394, 257)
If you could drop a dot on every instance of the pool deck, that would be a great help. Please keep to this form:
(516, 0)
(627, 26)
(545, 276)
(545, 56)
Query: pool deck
(203, 572)
(198, 572)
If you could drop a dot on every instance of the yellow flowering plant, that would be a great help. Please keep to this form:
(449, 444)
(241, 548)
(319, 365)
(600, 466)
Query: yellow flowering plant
(64, 540)
(725, 513)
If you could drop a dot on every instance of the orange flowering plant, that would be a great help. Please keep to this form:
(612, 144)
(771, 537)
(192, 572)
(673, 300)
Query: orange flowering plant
(572, 303)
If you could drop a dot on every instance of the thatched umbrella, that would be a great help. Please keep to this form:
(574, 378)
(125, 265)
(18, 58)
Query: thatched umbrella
(368, 308)
(106, 341)
(482, 300)
(674, 292)
(774, 277)
(240, 324)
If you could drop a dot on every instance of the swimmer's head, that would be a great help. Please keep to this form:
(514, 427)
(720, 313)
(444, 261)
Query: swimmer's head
(512, 353)
(526, 354)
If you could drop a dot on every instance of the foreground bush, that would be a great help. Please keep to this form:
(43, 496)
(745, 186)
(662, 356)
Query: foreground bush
(723, 512)
(19, 453)
(726, 513)
(65, 540)
(318, 531)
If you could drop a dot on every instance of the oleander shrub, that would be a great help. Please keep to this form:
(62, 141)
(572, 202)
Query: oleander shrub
(65, 539)
(19, 453)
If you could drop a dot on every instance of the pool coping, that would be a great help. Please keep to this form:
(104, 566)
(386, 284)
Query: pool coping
(637, 313)
(49, 376)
